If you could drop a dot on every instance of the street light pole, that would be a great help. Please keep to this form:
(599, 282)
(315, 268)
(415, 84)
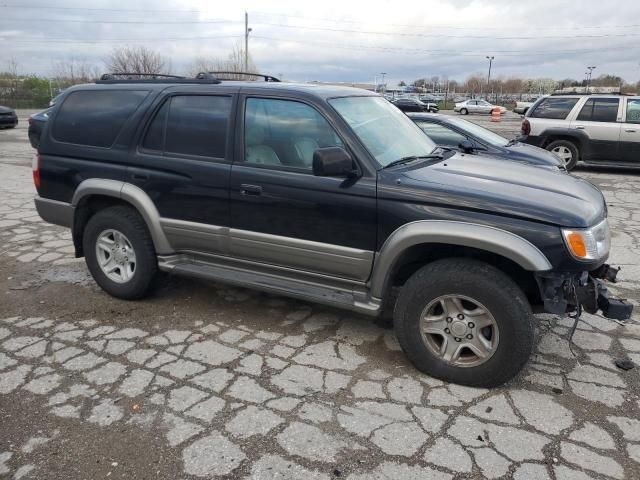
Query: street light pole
(246, 41)
(382, 81)
(591, 69)
(490, 58)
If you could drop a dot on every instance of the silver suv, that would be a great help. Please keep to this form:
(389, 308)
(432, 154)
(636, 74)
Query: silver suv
(596, 129)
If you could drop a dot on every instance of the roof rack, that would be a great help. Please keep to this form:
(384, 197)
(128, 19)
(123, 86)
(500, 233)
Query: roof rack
(267, 78)
(202, 77)
(567, 94)
(136, 77)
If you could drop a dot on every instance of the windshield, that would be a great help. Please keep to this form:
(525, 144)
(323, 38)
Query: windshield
(484, 135)
(384, 130)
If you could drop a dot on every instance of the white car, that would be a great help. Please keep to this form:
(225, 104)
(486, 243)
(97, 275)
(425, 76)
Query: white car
(476, 106)
(522, 107)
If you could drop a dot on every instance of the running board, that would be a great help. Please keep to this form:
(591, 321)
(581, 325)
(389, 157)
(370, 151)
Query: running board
(333, 292)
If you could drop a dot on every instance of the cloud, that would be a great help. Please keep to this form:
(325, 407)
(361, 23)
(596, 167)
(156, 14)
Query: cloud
(337, 40)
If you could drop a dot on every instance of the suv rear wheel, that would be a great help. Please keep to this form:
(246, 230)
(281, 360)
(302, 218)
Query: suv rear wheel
(566, 151)
(119, 252)
(464, 321)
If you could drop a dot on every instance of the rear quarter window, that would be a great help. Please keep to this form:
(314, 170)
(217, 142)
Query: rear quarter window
(94, 117)
(554, 108)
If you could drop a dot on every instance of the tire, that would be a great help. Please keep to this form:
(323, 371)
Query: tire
(562, 149)
(133, 233)
(464, 111)
(512, 336)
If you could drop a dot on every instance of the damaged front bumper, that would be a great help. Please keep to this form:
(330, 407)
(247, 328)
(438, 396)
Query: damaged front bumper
(570, 292)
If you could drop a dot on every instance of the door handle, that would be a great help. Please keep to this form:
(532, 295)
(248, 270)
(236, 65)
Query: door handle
(579, 127)
(140, 176)
(253, 190)
(630, 130)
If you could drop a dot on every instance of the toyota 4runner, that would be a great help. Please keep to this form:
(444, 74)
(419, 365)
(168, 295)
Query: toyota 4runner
(328, 194)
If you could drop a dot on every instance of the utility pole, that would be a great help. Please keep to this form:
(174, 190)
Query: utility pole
(246, 41)
(591, 69)
(490, 58)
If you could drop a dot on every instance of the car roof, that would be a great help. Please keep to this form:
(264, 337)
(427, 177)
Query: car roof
(593, 95)
(301, 89)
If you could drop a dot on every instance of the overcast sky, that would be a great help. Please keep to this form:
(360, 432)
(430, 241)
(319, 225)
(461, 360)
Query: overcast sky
(338, 40)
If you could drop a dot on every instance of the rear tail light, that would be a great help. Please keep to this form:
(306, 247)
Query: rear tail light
(526, 127)
(35, 167)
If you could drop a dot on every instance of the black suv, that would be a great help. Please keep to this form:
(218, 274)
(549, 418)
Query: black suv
(415, 105)
(328, 194)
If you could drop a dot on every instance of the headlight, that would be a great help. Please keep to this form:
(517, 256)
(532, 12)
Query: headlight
(590, 243)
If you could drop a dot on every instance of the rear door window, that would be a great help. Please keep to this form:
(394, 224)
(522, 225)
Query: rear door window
(554, 108)
(633, 110)
(599, 110)
(95, 117)
(190, 125)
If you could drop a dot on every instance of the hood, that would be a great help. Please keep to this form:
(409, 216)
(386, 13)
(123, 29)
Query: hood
(523, 152)
(5, 109)
(507, 188)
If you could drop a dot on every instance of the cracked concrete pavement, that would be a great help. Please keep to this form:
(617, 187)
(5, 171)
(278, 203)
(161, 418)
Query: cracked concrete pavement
(202, 380)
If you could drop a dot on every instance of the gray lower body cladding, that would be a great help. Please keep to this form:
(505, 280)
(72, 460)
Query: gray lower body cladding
(53, 211)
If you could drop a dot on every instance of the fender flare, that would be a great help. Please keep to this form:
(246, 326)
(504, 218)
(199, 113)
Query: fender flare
(130, 194)
(580, 137)
(482, 237)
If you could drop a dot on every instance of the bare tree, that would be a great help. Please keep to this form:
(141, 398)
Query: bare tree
(12, 67)
(473, 84)
(233, 63)
(72, 71)
(9, 79)
(137, 60)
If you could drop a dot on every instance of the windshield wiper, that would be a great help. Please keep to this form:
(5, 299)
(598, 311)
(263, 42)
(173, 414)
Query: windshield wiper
(513, 141)
(413, 158)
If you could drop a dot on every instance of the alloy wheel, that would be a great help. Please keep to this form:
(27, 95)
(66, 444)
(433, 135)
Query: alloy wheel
(563, 153)
(116, 256)
(459, 330)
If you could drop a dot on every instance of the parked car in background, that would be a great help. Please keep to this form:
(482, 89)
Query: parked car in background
(476, 106)
(428, 97)
(448, 131)
(8, 117)
(37, 122)
(598, 129)
(523, 106)
(414, 105)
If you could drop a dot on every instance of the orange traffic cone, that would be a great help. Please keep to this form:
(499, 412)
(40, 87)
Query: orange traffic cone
(495, 115)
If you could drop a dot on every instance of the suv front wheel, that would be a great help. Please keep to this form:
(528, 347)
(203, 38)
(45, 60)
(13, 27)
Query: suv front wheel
(464, 321)
(566, 151)
(119, 252)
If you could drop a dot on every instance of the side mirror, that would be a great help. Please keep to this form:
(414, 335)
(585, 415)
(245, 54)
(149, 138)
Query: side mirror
(332, 162)
(467, 146)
